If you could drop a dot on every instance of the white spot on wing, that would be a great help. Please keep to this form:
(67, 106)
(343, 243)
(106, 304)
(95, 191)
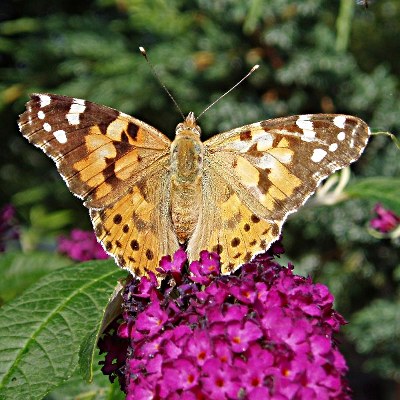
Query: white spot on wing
(240, 146)
(341, 136)
(333, 147)
(45, 100)
(47, 127)
(304, 123)
(339, 121)
(266, 161)
(264, 141)
(308, 135)
(318, 155)
(41, 114)
(77, 108)
(79, 101)
(60, 136)
(29, 114)
(73, 119)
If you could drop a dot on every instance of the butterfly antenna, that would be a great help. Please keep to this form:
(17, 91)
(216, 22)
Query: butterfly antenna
(144, 54)
(230, 90)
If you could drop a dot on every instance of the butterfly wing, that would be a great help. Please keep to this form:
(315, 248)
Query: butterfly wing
(263, 172)
(227, 225)
(137, 230)
(115, 163)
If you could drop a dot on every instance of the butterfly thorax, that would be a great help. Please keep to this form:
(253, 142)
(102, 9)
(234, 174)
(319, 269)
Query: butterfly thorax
(186, 175)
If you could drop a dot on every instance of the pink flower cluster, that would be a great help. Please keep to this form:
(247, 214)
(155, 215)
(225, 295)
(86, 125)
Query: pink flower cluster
(263, 333)
(385, 220)
(81, 246)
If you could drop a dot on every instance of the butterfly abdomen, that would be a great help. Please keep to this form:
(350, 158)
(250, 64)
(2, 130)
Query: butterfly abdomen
(186, 175)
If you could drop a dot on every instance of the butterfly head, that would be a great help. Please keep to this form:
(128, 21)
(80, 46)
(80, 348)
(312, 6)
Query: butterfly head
(188, 125)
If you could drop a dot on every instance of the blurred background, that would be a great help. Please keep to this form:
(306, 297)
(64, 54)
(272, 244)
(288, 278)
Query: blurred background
(315, 56)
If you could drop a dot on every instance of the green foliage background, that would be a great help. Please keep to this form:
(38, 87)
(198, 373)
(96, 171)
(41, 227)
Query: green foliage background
(315, 56)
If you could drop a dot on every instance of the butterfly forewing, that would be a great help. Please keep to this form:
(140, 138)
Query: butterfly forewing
(97, 150)
(275, 165)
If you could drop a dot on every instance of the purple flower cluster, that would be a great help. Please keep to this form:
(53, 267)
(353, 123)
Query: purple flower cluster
(8, 226)
(262, 333)
(81, 246)
(385, 220)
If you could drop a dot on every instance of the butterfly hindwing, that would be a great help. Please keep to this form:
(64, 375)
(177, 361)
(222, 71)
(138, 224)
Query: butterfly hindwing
(137, 230)
(227, 225)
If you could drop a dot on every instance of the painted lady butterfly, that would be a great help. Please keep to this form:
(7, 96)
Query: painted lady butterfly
(147, 195)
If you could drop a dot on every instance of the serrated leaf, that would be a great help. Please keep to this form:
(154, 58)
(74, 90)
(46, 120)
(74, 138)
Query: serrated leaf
(379, 189)
(41, 331)
(20, 270)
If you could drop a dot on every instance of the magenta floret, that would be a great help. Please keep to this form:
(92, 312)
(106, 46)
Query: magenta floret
(81, 246)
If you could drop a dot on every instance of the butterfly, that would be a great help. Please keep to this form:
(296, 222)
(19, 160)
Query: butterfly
(147, 196)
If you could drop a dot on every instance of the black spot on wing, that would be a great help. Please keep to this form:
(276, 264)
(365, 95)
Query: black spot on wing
(132, 130)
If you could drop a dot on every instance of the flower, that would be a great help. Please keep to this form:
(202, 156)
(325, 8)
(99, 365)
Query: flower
(262, 332)
(115, 346)
(385, 220)
(8, 226)
(81, 246)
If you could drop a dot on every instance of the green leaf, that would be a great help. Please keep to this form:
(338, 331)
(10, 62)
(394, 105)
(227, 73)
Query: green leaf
(88, 349)
(30, 196)
(379, 189)
(100, 389)
(20, 270)
(42, 330)
(87, 353)
(41, 218)
(375, 332)
(18, 26)
(253, 16)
